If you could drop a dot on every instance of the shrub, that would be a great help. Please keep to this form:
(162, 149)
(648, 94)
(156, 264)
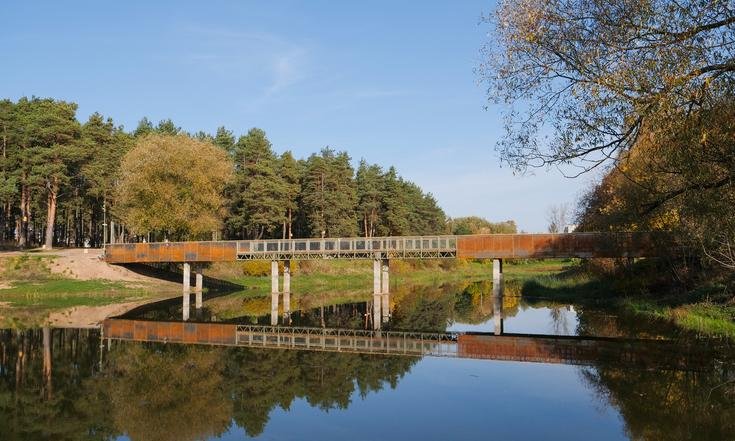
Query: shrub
(263, 267)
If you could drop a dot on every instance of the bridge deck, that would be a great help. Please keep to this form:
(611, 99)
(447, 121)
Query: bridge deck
(420, 247)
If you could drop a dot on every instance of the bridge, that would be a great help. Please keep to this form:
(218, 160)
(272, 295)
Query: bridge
(380, 250)
(622, 352)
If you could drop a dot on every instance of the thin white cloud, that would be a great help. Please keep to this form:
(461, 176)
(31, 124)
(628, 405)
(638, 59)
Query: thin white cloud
(287, 69)
(257, 61)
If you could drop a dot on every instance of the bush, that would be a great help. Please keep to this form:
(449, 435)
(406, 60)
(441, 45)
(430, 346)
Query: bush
(263, 267)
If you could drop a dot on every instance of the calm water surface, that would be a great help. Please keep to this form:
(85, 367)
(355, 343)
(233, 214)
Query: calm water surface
(64, 384)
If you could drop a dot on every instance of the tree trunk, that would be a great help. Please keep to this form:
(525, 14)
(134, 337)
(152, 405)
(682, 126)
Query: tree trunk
(47, 343)
(53, 191)
(24, 216)
(290, 224)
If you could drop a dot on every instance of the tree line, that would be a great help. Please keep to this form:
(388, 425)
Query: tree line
(71, 183)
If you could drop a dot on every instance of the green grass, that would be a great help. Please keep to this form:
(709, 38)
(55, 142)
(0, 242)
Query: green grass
(351, 276)
(34, 290)
(702, 317)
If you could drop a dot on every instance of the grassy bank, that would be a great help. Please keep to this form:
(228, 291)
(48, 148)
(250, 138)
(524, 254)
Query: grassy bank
(30, 290)
(707, 309)
(339, 282)
(343, 275)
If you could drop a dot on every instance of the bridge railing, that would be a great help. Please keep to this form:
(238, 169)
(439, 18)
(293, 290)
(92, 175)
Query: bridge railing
(356, 247)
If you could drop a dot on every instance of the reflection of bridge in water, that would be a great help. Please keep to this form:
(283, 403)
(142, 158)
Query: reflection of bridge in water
(632, 353)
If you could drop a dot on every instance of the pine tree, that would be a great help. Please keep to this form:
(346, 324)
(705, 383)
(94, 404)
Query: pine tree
(328, 195)
(225, 140)
(369, 181)
(257, 193)
(203, 136)
(56, 152)
(395, 205)
(8, 176)
(290, 173)
(167, 127)
(145, 126)
(107, 145)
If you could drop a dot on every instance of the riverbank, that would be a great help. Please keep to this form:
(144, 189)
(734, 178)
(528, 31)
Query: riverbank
(68, 283)
(707, 309)
(39, 287)
(71, 286)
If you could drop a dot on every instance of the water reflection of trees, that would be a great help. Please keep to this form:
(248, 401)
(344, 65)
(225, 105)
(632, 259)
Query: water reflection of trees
(662, 405)
(169, 392)
(671, 405)
(58, 405)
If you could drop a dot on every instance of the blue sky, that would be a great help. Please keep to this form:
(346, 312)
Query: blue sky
(391, 82)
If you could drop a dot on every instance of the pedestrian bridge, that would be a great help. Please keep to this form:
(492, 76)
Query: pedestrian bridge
(489, 246)
(380, 250)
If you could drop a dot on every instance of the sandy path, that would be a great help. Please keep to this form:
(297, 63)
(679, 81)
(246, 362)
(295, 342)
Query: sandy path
(76, 264)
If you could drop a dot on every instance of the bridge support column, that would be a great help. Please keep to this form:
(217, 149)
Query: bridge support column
(377, 288)
(186, 291)
(385, 283)
(497, 271)
(198, 287)
(498, 314)
(287, 306)
(274, 308)
(377, 300)
(498, 296)
(274, 276)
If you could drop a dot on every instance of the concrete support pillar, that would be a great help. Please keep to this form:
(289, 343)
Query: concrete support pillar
(377, 288)
(186, 291)
(187, 278)
(286, 304)
(385, 283)
(498, 314)
(199, 287)
(286, 278)
(274, 276)
(498, 271)
(274, 306)
(498, 295)
(376, 311)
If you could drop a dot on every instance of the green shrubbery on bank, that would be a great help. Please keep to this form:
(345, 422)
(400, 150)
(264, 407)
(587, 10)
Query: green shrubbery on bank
(646, 288)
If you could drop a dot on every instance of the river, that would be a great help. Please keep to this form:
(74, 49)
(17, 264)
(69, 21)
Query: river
(569, 372)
